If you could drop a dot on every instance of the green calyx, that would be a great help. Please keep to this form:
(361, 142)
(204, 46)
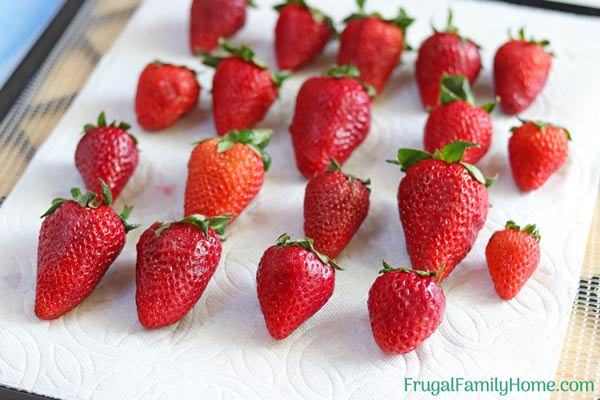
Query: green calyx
(423, 274)
(217, 224)
(457, 88)
(531, 229)
(352, 72)
(159, 62)
(541, 125)
(317, 15)
(544, 42)
(334, 166)
(453, 30)
(284, 240)
(451, 153)
(93, 200)
(251, 3)
(402, 20)
(102, 122)
(256, 139)
(245, 53)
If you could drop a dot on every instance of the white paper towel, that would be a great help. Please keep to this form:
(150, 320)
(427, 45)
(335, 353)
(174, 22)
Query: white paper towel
(222, 348)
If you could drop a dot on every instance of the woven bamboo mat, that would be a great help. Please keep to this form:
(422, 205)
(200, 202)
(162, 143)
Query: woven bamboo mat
(98, 23)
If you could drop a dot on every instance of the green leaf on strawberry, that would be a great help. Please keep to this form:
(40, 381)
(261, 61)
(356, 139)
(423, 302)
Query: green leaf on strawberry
(542, 125)
(306, 243)
(451, 153)
(256, 139)
(530, 228)
(455, 88)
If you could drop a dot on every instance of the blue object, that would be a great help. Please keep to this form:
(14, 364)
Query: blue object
(21, 24)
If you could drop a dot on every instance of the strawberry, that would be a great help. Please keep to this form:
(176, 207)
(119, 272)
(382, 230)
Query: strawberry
(335, 205)
(457, 118)
(537, 150)
(301, 34)
(175, 261)
(512, 255)
(226, 173)
(107, 152)
(79, 240)
(243, 88)
(331, 119)
(405, 308)
(165, 93)
(293, 282)
(445, 53)
(372, 44)
(443, 204)
(521, 68)
(214, 19)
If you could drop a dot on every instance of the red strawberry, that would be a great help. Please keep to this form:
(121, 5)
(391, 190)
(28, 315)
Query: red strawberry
(164, 94)
(372, 44)
(443, 204)
(79, 240)
(445, 53)
(405, 308)
(512, 255)
(293, 282)
(331, 119)
(175, 261)
(224, 174)
(106, 152)
(335, 205)
(536, 151)
(301, 34)
(213, 19)
(521, 68)
(457, 118)
(243, 88)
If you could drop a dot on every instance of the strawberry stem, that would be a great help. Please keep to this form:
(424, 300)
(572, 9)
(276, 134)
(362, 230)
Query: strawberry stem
(123, 217)
(423, 274)
(541, 125)
(450, 153)
(334, 166)
(256, 139)
(88, 199)
(455, 88)
(217, 224)
(352, 72)
(102, 122)
(530, 228)
(284, 240)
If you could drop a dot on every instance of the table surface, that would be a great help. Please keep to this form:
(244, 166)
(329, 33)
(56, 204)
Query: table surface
(49, 95)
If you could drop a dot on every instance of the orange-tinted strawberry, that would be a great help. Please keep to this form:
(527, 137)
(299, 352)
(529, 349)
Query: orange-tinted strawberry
(335, 205)
(301, 34)
(79, 240)
(243, 88)
(175, 261)
(405, 308)
(107, 152)
(443, 204)
(372, 44)
(512, 255)
(457, 118)
(164, 94)
(536, 151)
(293, 282)
(521, 68)
(226, 173)
(214, 19)
(444, 53)
(331, 119)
